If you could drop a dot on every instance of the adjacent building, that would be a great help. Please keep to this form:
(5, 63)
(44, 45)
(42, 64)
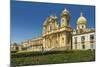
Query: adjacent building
(83, 38)
(15, 47)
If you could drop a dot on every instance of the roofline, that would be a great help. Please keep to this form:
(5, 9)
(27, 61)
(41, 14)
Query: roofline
(83, 33)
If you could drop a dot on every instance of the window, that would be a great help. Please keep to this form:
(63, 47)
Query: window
(92, 46)
(62, 20)
(50, 28)
(92, 37)
(82, 39)
(75, 38)
(62, 40)
(83, 46)
(82, 26)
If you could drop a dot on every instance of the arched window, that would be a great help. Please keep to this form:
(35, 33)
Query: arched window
(50, 28)
(62, 20)
(82, 26)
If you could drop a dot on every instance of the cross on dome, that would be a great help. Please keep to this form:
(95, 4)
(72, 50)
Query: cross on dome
(81, 14)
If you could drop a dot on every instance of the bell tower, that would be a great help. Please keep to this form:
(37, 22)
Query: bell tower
(65, 17)
(65, 30)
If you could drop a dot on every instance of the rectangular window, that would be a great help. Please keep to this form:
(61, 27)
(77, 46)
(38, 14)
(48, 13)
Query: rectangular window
(83, 46)
(82, 39)
(92, 37)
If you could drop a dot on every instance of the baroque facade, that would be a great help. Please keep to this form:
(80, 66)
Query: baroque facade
(55, 35)
(61, 36)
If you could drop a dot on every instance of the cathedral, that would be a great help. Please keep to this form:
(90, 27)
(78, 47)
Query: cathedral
(57, 37)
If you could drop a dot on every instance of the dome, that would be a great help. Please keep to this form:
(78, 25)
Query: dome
(49, 19)
(53, 16)
(81, 19)
(65, 11)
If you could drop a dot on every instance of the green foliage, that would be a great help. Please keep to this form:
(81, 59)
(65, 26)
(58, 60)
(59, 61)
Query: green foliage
(29, 54)
(13, 52)
(52, 57)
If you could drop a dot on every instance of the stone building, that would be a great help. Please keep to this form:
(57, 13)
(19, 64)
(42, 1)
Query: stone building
(15, 47)
(33, 44)
(61, 36)
(57, 36)
(83, 38)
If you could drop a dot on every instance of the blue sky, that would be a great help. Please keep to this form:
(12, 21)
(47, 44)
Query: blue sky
(27, 17)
